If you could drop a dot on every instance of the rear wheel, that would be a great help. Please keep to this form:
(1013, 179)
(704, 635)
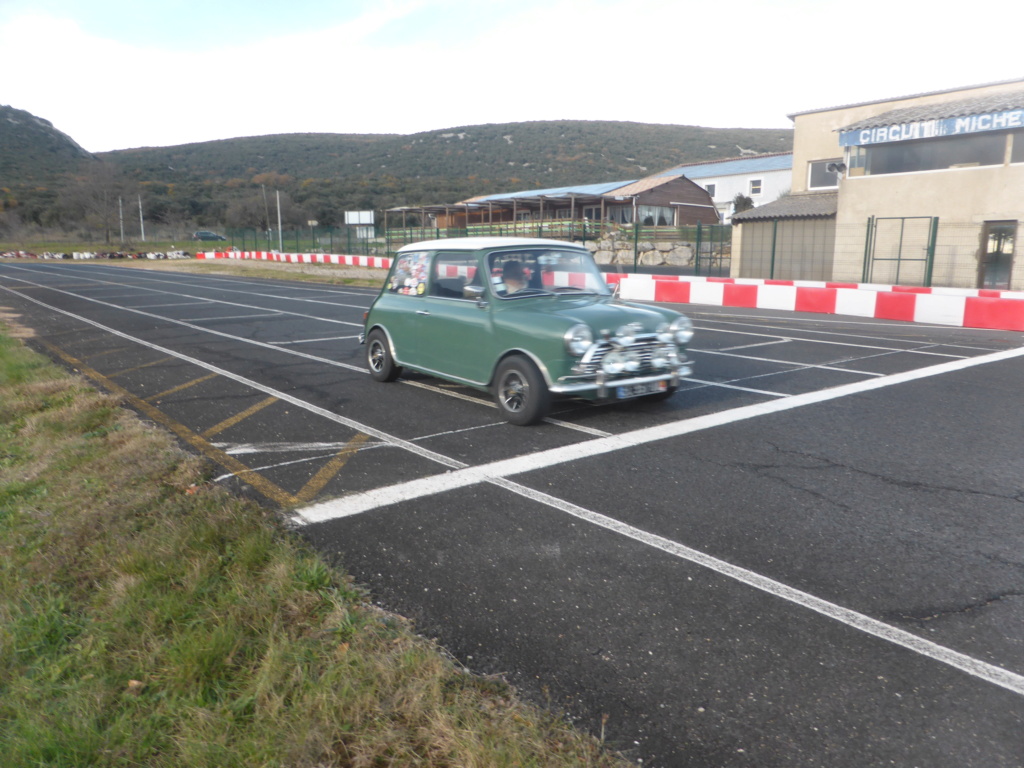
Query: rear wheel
(520, 392)
(378, 357)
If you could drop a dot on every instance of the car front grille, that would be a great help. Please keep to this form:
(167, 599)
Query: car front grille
(591, 362)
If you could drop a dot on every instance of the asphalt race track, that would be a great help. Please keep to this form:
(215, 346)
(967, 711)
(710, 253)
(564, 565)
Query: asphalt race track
(811, 555)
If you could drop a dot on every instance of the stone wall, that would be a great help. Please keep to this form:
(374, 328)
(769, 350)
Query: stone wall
(617, 247)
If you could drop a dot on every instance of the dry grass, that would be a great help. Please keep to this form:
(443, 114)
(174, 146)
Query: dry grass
(147, 618)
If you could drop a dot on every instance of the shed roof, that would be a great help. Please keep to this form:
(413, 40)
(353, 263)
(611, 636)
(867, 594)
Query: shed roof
(578, 190)
(815, 205)
(977, 105)
(782, 161)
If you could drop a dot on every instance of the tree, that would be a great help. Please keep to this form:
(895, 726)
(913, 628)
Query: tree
(741, 203)
(94, 198)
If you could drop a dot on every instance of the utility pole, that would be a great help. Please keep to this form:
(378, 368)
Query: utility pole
(142, 224)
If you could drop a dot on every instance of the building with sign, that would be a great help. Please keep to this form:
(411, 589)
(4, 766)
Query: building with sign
(918, 190)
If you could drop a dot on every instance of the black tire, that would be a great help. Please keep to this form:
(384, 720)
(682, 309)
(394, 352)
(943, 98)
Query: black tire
(378, 357)
(520, 392)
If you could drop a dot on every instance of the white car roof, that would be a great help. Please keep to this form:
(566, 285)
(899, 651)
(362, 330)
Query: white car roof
(476, 243)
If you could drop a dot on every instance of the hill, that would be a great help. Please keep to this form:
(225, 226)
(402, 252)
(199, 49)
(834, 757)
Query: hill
(531, 154)
(223, 183)
(32, 150)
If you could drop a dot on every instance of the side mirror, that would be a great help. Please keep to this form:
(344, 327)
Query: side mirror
(473, 292)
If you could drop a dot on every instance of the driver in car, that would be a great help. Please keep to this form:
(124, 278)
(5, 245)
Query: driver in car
(513, 276)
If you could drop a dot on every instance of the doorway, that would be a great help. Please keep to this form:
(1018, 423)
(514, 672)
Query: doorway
(996, 266)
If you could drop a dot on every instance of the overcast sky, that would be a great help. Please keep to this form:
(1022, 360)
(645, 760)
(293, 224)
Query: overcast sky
(116, 74)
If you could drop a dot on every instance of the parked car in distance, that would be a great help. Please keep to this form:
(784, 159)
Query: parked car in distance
(205, 234)
(525, 319)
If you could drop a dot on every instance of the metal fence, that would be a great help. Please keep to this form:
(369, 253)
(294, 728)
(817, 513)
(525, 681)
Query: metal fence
(906, 251)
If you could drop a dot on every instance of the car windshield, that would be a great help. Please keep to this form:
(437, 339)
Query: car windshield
(537, 271)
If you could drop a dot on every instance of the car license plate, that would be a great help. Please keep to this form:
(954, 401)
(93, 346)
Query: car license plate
(639, 390)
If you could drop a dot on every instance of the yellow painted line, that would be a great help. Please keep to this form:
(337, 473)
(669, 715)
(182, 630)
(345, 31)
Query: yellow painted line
(330, 469)
(186, 385)
(101, 354)
(135, 368)
(268, 488)
(227, 423)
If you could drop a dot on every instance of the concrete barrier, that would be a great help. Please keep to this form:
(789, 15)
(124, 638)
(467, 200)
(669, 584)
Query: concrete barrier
(969, 308)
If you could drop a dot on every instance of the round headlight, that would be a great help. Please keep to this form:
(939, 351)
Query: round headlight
(613, 363)
(632, 361)
(664, 355)
(682, 329)
(626, 334)
(665, 336)
(578, 339)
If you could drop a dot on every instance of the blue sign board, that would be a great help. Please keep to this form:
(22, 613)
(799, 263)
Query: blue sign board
(930, 129)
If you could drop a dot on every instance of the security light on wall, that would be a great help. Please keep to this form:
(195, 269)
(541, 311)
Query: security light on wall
(836, 167)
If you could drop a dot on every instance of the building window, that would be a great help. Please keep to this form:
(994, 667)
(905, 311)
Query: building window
(820, 177)
(755, 186)
(1017, 153)
(655, 215)
(620, 214)
(592, 213)
(710, 189)
(935, 154)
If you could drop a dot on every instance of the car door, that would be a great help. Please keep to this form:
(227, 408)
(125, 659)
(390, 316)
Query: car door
(401, 306)
(455, 331)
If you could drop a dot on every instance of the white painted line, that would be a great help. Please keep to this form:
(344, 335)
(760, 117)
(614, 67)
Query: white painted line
(422, 487)
(200, 298)
(498, 472)
(757, 344)
(258, 386)
(269, 313)
(961, 661)
(139, 276)
(726, 385)
(311, 341)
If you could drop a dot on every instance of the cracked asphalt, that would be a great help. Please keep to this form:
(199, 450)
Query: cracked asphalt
(811, 555)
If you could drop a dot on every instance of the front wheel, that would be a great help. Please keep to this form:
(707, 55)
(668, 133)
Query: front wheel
(520, 392)
(378, 357)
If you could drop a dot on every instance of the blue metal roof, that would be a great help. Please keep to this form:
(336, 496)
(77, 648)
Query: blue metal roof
(581, 189)
(733, 167)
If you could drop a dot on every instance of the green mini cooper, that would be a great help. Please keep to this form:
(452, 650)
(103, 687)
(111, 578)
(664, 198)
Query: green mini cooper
(525, 319)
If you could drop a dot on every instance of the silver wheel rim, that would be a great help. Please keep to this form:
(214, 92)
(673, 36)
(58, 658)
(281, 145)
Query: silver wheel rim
(377, 356)
(514, 392)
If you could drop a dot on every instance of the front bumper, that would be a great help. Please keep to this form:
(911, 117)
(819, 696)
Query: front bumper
(600, 384)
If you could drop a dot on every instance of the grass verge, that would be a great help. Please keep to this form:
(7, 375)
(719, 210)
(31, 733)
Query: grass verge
(149, 619)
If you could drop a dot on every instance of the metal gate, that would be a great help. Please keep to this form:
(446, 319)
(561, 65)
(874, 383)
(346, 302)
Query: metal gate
(713, 250)
(900, 250)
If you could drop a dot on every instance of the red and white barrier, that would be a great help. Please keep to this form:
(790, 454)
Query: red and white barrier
(998, 310)
(378, 262)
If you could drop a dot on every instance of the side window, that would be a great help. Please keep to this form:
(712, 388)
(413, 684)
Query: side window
(452, 273)
(409, 277)
(755, 186)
